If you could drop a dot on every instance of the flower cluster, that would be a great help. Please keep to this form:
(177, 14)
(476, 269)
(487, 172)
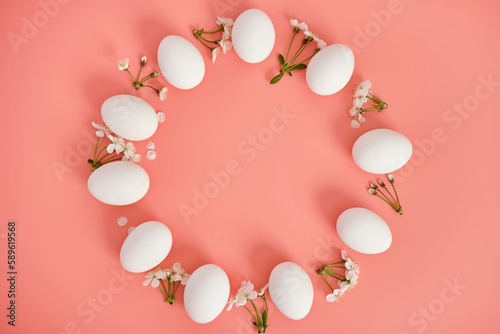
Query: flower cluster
(362, 95)
(345, 283)
(175, 276)
(123, 65)
(377, 191)
(117, 146)
(287, 66)
(221, 46)
(246, 293)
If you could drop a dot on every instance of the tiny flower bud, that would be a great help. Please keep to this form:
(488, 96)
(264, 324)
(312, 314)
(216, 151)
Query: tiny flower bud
(390, 177)
(154, 74)
(144, 60)
(373, 185)
(381, 183)
(371, 191)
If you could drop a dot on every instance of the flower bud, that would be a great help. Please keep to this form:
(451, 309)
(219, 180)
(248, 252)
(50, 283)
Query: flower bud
(154, 74)
(381, 183)
(143, 60)
(371, 191)
(373, 185)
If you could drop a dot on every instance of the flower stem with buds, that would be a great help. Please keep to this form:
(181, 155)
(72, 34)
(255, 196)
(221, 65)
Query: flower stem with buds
(393, 202)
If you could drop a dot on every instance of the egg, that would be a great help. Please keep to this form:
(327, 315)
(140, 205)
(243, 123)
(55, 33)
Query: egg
(291, 290)
(145, 247)
(364, 231)
(129, 117)
(206, 293)
(381, 151)
(180, 62)
(330, 69)
(253, 36)
(119, 183)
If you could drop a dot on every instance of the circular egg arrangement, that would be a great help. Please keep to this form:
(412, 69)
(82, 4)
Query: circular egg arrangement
(206, 293)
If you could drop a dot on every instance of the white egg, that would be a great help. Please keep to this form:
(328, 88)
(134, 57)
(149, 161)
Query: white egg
(364, 231)
(330, 69)
(291, 290)
(119, 183)
(381, 151)
(206, 293)
(253, 36)
(145, 247)
(129, 117)
(180, 62)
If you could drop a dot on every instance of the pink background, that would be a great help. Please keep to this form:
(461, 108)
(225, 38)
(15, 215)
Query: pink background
(425, 58)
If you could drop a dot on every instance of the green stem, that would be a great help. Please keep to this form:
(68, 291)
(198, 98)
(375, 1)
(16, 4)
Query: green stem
(251, 313)
(147, 77)
(156, 90)
(297, 54)
(257, 312)
(395, 192)
(176, 287)
(201, 41)
(130, 74)
(337, 276)
(327, 283)
(390, 194)
(113, 158)
(140, 70)
(97, 157)
(199, 32)
(164, 295)
(206, 40)
(295, 30)
(380, 192)
(392, 205)
(95, 151)
(308, 57)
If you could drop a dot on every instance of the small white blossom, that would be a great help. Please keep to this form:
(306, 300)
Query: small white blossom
(216, 53)
(227, 23)
(144, 60)
(179, 274)
(161, 117)
(335, 296)
(102, 130)
(122, 221)
(302, 26)
(117, 144)
(154, 277)
(123, 64)
(262, 291)
(162, 94)
(225, 45)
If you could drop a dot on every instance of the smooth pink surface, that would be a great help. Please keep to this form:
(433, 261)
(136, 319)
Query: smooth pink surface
(424, 60)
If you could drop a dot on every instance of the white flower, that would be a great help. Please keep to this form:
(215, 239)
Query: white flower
(226, 45)
(302, 26)
(151, 155)
(123, 64)
(117, 144)
(359, 101)
(227, 23)
(154, 277)
(263, 290)
(230, 303)
(102, 130)
(352, 277)
(362, 89)
(162, 94)
(122, 221)
(244, 293)
(321, 44)
(161, 117)
(150, 145)
(216, 53)
(129, 153)
(144, 60)
(179, 274)
(335, 296)
(312, 35)
(343, 253)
